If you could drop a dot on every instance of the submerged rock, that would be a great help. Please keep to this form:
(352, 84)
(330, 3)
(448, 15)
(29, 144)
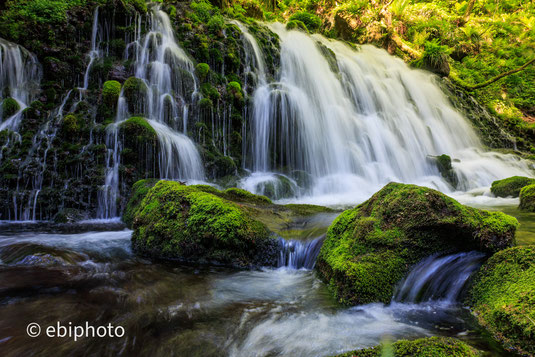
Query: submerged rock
(423, 347)
(503, 297)
(370, 248)
(183, 223)
(510, 187)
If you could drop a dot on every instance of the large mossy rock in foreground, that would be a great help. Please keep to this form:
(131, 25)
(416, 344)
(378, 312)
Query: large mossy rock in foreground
(510, 187)
(370, 248)
(502, 296)
(423, 347)
(183, 223)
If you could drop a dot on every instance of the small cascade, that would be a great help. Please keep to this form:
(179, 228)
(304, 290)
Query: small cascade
(20, 77)
(438, 278)
(95, 52)
(298, 254)
(171, 90)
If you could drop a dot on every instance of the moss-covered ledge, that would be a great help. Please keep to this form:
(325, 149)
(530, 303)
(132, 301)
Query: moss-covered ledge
(370, 248)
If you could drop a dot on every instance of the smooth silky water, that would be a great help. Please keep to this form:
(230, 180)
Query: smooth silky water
(167, 309)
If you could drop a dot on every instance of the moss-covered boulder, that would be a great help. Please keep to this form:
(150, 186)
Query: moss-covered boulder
(527, 198)
(139, 191)
(183, 223)
(503, 297)
(110, 93)
(371, 247)
(423, 347)
(240, 195)
(9, 107)
(135, 91)
(137, 130)
(510, 187)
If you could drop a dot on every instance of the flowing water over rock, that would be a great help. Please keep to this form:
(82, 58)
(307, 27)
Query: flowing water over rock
(170, 309)
(353, 120)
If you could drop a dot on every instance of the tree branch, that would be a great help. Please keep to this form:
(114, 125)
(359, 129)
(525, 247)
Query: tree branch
(500, 76)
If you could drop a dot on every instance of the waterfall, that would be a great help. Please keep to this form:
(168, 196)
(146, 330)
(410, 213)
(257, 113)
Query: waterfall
(438, 278)
(95, 52)
(20, 77)
(298, 254)
(168, 75)
(354, 120)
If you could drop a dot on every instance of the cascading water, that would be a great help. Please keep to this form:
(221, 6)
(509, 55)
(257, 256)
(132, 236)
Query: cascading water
(20, 77)
(438, 278)
(297, 254)
(355, 120)
(171, 89)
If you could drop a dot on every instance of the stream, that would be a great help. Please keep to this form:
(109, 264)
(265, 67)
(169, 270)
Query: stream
(53, 273)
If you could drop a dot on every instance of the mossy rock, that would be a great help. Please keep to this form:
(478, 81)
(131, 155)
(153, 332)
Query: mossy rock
(185, 224)
(137, 130)
(296, 25)
(139, 191)
(9, 107)
(444, 166)
(234, 90)
(202, 70)
(510, 187)
(110, 92)
(527, 198)
(371, 247)
(241, 195)
(135, 91)
(70, 126)
(312, 22)
(70, 215)
(503, 297)
(422, 347)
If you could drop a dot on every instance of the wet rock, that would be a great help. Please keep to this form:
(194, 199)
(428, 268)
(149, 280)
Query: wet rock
(510, 187)
(527, 198)
(370, 248)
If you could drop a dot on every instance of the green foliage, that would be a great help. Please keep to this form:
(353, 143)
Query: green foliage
(203, 10)
(368, 249)
(311, 21)
(110, 92)
(234, 90)
(422, 347)
(9, 107)
(216, 23)
(510, 187)
(503, 297)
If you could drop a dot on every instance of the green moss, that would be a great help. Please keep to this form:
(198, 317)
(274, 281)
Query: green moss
(246, 196)
(307, 210)
(70, 126)
(110, 92)
(510, 187)
(138, 5)
(311, 21)
(368, 249)
(138, 130)
(135, 92)
(9, 107)
(527, 198)
(202, 70)
(183, 223)
(139, 191)
(296, 25)
(234, 90)
(503, 297)
(423, 347)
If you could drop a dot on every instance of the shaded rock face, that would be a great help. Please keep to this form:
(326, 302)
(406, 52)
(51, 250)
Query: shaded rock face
(182, 223)
(502, 297)
(510, 187)
(370, 248)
